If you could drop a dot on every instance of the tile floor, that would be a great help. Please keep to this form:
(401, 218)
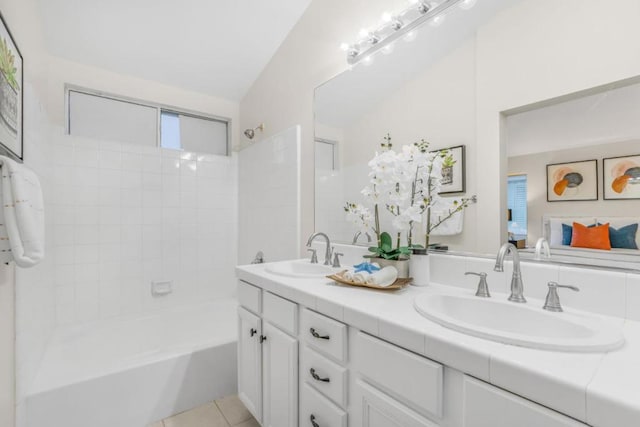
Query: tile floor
(225, 412)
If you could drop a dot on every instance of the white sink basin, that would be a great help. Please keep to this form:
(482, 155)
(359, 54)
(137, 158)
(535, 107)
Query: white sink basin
(301, 268)
(520, 324)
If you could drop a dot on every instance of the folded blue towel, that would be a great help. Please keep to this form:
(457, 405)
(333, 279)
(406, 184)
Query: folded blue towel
(366, 266)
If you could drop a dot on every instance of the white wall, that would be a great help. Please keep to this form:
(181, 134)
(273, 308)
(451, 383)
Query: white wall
(269, 198)
(536, 50)
(534, 166)
(37, 320)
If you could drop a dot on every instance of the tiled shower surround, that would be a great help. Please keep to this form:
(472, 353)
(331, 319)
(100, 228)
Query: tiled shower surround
(124, 216)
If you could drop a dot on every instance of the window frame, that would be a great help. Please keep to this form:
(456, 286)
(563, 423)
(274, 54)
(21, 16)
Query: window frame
(335, 145)
(159, 107)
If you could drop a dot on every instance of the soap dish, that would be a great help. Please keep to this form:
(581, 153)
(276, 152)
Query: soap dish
(398, 284)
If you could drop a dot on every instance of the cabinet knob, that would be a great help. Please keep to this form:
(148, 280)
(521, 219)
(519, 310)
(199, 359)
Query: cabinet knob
(313, 421)
(317, 335)
(317, 377)
(253, 331)
(262, 339)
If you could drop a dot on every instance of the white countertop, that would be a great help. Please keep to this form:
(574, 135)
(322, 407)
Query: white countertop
(601, 389)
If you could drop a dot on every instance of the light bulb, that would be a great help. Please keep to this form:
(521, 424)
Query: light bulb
(388, 49)
(467, 4)
(386, 17)
(410, 36)
(363, 32)
(437, 21)
(344, 47)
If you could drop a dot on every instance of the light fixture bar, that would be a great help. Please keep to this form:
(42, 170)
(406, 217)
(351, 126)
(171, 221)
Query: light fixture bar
(354, 55)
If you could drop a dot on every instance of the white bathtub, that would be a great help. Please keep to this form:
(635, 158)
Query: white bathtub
(131, 371)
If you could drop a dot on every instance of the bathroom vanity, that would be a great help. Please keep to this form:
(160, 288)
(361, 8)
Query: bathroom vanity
(314, 353)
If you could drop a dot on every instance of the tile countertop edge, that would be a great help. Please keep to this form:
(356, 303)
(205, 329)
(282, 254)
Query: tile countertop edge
(473, 356)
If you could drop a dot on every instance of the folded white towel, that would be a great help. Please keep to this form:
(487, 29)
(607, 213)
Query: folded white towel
(21, 215)
(361, 277)
(348, 275)
(452, 225)
(383, 278)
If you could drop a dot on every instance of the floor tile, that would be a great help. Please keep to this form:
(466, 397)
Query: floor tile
(233, 410)
(207, 415)
(250, 423)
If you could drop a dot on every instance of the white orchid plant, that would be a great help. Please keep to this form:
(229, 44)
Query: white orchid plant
(406, 184)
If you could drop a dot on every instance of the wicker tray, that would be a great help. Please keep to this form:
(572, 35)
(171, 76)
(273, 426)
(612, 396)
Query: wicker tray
(398, 284)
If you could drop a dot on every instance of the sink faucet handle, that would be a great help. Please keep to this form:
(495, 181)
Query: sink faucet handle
(483, 287)
(336, 259)
(552, 302)
(314, 255)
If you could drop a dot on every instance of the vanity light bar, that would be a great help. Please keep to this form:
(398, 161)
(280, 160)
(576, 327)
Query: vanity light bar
(374, 41)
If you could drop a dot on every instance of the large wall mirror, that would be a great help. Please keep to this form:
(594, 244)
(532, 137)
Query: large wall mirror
(506, 79)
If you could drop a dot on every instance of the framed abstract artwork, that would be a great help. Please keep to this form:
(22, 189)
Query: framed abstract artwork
(572, 181)
(453, 170)
(621, 177)
(11, 93)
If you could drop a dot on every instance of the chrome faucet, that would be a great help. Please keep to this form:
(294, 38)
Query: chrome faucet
(516, 280)
(542, 246)
(327, 255)
(552, 302)
(357, 236)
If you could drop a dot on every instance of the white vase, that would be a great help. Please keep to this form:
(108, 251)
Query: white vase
(402, 265)
(420, 269)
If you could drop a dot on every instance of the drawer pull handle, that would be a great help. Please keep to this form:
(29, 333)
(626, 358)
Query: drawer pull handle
(317, 335)
(262, 339)
(313, 421)
(253, 331)
(316, 377)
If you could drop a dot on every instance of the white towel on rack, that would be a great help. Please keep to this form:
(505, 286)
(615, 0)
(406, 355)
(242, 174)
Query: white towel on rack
(21, 215)
(451, 226)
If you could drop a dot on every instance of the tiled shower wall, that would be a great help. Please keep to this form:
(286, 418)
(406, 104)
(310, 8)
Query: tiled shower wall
(125, 215)
(269, 191)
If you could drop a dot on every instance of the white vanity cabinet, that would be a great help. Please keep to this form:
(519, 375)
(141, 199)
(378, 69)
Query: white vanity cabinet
(268, 357)
(488, 406)
(299, 367)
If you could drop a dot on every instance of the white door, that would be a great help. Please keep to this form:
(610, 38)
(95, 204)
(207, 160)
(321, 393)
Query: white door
(250, 362)
(280, 385)
(377, 409)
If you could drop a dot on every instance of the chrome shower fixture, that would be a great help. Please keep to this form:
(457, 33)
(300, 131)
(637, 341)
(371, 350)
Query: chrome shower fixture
(251, 133)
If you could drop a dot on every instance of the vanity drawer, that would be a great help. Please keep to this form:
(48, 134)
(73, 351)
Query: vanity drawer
(413, 379)
(330, 378)
(249, 296)
(314, 408)
(280, 312)
(489, 406)
(324, 334)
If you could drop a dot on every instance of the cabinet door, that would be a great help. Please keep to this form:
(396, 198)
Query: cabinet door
(250, 362)
(280, 385)
(488, 406)
(377, 409)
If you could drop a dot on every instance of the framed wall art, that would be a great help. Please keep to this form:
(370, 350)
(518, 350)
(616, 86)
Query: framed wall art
(453, 170)
(573, 181)
(11, 93)
(621, 177)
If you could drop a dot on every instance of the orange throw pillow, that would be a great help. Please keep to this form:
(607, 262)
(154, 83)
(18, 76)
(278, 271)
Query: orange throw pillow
(591, 237)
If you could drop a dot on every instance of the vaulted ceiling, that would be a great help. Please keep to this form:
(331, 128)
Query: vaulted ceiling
(218, 47)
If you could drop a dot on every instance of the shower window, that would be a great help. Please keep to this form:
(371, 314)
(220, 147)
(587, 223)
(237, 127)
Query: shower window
(111, 117)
